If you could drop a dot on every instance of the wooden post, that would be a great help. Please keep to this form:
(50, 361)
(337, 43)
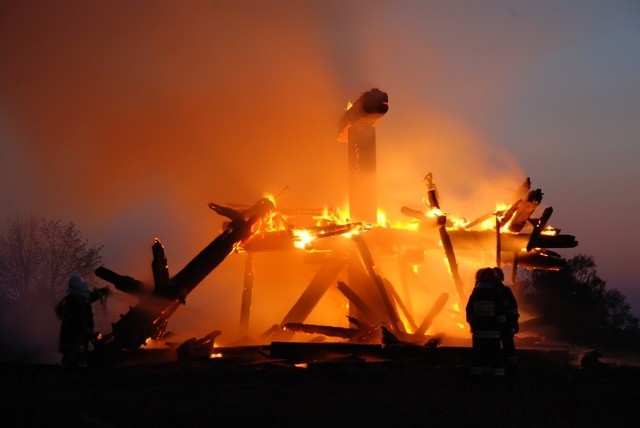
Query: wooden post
(369, 265)
(435, 310)
(311, 295)
(362, 306)
(247, 293)
(453, 264)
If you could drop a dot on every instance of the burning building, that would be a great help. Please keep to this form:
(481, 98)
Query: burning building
(405, 281)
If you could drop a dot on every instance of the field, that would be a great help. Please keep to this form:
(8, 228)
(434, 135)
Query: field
(340, 387)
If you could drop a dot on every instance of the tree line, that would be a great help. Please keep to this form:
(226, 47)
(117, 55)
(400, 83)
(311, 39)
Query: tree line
(574, 305)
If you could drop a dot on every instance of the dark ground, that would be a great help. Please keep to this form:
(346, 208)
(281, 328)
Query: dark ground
(343, 389)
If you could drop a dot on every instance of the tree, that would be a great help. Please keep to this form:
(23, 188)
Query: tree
(577, 305)
(37, 257)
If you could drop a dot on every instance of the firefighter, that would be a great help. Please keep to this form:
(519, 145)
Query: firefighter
(487, 318)
(512, 326)
(77, 328)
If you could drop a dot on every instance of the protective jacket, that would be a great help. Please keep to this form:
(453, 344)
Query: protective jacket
(486, 312)
(76, 314)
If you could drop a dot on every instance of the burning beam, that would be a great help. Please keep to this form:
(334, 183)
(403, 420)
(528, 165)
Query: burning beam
(149, 318)
(247, 295)
(396, 297)
(367, 260)
(539, 227)
(453, 264)
(311, 295)
(523, 210)
(357, 301)
(433, 313)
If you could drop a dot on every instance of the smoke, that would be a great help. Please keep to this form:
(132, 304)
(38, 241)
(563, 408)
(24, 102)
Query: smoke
(128, 118)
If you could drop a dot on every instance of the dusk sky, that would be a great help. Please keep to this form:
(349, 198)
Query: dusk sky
(128, 117)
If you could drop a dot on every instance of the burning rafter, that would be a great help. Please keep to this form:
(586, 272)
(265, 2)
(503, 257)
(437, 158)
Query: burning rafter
(148, 319)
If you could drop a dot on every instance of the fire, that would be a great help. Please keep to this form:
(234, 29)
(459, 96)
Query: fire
(332, 215)
(302, 239)
(383, 221)
(382, 218)
(428, 280)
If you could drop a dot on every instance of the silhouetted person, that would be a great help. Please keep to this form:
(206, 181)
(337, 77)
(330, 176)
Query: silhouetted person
(77, 328)
(487, 318)
(512, 326)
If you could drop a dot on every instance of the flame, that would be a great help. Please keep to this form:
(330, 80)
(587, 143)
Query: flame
(333, 215)
(334, 221)
(382, 218)
(488, 224)
(303, 239)
(446, 262)
(271, 197)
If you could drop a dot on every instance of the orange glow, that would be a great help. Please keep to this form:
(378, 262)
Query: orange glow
(303, 239)
(382, 218)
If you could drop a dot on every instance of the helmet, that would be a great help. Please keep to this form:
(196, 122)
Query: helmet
(77, 285)
(487, 275)
(499, 273)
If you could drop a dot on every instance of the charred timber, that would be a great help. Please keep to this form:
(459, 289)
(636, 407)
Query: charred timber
(433, 313)
(311, 295)
(149, 318)
(476, 240)
(324, 330)
(369, 265)
(124, 283)
(544, 260)
(160, 269)
(523, 210)
(396, 297)
(453, 264)
(539, 226)
(371, 106)
(357, 301)
(357, 130)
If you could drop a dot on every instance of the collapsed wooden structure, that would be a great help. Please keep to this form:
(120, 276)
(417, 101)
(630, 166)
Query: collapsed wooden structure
(517, 238)
(348, 254)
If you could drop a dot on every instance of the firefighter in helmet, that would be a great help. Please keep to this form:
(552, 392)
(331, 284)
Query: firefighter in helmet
(486, 316)
(77, 328)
